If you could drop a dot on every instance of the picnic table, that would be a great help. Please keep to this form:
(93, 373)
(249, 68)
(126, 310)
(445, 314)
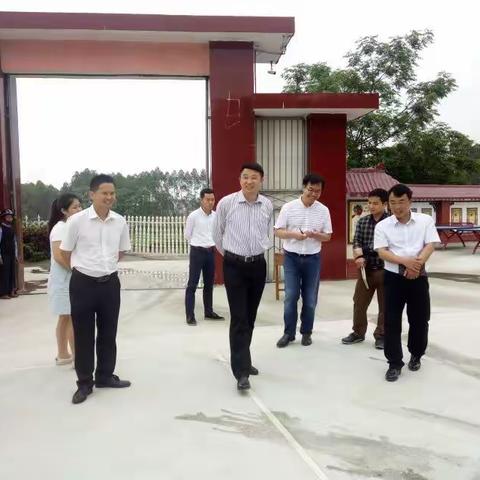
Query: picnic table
(450, 232)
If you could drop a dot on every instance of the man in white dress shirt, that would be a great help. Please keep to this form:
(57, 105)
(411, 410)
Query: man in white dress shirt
(303, 224)
(94, 241)
(199, 233)
(405, 241)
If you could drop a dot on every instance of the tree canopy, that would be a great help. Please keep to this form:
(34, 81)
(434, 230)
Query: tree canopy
(147, 193)
(408, 108)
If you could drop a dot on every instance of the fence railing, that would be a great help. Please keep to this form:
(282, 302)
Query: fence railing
(158, 235)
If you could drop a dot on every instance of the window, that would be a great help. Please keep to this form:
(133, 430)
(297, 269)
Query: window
(427, 211)
(472, 215)
(456, 215)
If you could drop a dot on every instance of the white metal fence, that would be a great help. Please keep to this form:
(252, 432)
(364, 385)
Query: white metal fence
(162, 236)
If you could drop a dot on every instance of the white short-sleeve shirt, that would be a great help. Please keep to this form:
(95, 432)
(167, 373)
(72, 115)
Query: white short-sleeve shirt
(296, 216)
(95, 243)
(405, 239)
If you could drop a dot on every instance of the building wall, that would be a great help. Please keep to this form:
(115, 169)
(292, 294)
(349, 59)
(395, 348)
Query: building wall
(424, 207)
(108, 58)
(469, 210)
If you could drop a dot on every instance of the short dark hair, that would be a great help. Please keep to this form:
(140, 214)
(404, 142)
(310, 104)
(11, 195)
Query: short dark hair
(252, 166)
(399, 190)
(313, 179)
(204, 191)
(97, 180)
(381, 193)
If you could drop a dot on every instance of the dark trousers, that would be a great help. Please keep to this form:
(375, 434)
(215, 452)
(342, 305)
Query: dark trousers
(362, 299)
(244, 283)
(7, 275)
(94, 302)
(399, 291)
(201, 260)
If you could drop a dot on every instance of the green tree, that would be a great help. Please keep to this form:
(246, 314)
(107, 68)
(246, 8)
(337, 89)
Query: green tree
(436, 155)
(37, 199)
(389, 68)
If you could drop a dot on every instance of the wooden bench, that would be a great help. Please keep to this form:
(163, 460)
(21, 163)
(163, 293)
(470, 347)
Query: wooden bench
(277, 263)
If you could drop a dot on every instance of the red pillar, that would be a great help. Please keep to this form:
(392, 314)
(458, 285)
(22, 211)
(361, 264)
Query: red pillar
(442, 212)
(232, 119)
(5, 183)
(327, 157)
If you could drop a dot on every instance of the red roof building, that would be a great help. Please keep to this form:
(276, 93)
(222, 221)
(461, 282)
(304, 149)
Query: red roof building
(440, 198)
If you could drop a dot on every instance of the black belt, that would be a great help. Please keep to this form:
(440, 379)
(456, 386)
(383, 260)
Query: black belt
(207, 249)
(103, 279)
(302, 254)
(240, 258)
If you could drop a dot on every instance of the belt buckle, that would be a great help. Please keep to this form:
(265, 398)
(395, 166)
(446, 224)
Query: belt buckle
(249, 259)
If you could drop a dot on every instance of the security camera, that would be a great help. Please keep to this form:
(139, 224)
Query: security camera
(271, 71)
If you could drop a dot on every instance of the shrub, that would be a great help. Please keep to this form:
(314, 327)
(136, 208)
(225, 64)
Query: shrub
(36, 245)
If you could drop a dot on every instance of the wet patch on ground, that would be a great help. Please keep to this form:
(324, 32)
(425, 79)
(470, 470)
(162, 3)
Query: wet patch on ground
(448, 420)
(388, 473)
(248, 424)
(456, 277)
(361, 455)
(462, 363)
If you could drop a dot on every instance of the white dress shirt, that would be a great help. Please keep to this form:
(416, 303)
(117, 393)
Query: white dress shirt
(199, 228)
(405, 239)
(242, 227)
(296, 216)
(95, 243)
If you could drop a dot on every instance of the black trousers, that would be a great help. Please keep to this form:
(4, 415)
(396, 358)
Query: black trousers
(399, 291)
(7, 275)
(94, 302)
(201, 260)
(244, 283)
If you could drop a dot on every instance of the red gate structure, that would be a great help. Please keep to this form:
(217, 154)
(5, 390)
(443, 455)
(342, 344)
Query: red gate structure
(222, 49)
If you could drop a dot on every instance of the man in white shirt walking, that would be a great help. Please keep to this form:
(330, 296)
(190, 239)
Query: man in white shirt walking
(199, 233)
(94, 241)
(303, 224)
(405, 241)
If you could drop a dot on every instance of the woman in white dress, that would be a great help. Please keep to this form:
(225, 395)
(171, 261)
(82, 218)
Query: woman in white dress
(58, 281)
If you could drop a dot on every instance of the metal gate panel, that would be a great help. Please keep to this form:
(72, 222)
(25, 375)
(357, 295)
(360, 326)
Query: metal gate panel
(281, 150)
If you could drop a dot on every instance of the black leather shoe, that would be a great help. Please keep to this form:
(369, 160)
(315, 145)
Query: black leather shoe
(306, 339)
(414, 364)
(81, 394)
(112, 382)
(191, 321)
(284, 341)
(379, 343)
(243, 383)
(253, 370)
(214, 316)
(393, 374)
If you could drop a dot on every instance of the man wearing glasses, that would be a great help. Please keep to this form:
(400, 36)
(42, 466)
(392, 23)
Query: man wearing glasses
(303, 224)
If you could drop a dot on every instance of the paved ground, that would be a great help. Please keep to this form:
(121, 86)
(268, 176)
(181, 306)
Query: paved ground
(322, 412)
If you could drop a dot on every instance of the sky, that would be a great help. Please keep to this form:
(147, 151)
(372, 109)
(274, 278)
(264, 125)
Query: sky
(127, 129)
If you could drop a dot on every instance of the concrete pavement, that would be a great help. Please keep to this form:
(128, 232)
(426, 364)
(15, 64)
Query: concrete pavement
(323, 411)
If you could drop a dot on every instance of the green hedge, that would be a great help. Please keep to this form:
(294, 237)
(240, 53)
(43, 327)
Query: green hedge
(36, 245)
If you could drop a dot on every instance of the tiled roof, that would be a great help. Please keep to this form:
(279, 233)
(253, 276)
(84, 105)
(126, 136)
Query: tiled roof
(361, 181)
(446, 192)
